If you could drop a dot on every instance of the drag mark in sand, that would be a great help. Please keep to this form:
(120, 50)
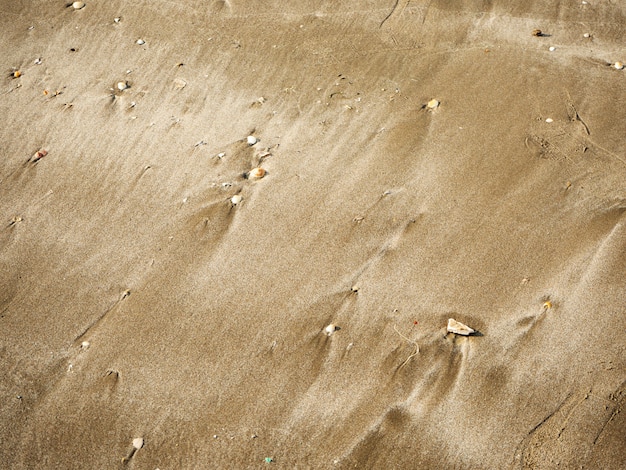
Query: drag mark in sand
(100, 319)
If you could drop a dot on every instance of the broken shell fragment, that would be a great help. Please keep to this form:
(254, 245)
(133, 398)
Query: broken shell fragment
(459, 328)
(236, 199)
(78, 5)
(618, 65)
(39, 154)
(330, 329)
(256, 173)
(138, 443)
(141, 42)
(122, 86)
(537, 33)
(251, 140)
(432, 104)
(84, 344)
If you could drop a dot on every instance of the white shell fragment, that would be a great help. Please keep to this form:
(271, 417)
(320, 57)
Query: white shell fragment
(618, 65)
(179, 83)
(251, 140)
(432, 104)
(121, 86)
(138, 443)
(84, 344)
(330, 329)
(236, 199)
(552, 48)
(141, 42)
(459, 328)
(549, 120)
(256, 173)
(78, 5)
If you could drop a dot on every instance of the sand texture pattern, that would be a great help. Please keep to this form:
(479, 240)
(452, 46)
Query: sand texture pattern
(164, 304)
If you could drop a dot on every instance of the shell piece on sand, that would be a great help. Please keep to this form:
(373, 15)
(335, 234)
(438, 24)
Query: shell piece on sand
(78, 5)
(330, 329)
(256, 173)
(459, 328)
(141, 42)
(236, 199)
(122, 86)
(138, 443)
(618, 65)
(251, 140)
(84, 344)
(432, 104)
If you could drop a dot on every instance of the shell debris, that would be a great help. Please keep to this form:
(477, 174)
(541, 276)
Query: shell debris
(251, 140)
(141, 42)
(78, 5)
(330, 329)
(256, 173)
(236, 199)
(433, 104)
(618, 65)
(459, 328)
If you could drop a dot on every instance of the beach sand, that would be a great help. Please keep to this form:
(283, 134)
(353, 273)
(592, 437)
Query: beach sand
(137, 300)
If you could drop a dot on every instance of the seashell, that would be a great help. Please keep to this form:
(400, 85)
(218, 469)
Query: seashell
(552, 48)
(256, 173)
(330, 329)
(138, 443)
(179, 83)
(78, 5)
(547, 305)
(141, 42)
(459, 328)
(586, 35)
(17, 74)
(122, 86)
(236, 199)
(537, 33)
(618, 65)
(432, 104)
(251, 140)
(549, 120)
(39, 154)
(84, 344)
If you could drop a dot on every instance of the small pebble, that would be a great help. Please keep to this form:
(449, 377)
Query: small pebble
(330, 329)
(236, 199)
(78, 5)
(586, 35)
(251, 140)
(432, 104)
(256, 173)
(141, 42)
(618, 65)
(552, 48)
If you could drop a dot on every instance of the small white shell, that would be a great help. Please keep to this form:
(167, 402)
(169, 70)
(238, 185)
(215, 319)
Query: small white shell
(330, 329)
(84, 344)
(549, 120)
(138, 443)
(552, 48)
(251, 140)
(256, 173)
(122, 86)
(432, 104)
(459, 328)
(179, 83)
(618, 65)
(586, 35)
(236, 199)
(78, 5)
(141, 42)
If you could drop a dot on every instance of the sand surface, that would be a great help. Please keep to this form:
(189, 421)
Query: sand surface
(136, 300)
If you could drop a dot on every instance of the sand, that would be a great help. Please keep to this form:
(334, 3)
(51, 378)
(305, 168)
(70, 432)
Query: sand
(139, 300)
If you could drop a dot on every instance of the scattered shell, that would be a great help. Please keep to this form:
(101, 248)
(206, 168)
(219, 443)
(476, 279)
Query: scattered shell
(432, 104)
(84, 344)
(618, 65)
(138, 443)
(78, 5)
(537, 33)
(39, 154)
(549, 120)
(236, 199)
(330, 329)
(256, 173)
(586, 35)
(38, 61)
(459, 328)
(141, 42)
(122, 86)
(547, 305)
(552, 48)
(221, 155)
(179, 83)
(117, 20)
(16, 74)
(251, 140)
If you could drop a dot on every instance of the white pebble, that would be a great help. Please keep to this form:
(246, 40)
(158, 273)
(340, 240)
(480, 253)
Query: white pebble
(141, 42)
(330, 329)
(117, 20)
(138, 442)
(252, 140)
(552, 48)
(549, 120)
(236, 199)
(78, 5)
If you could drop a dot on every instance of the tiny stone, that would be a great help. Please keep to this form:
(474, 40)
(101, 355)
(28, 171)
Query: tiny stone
(84, 344)
(586, 35)
(141, 42)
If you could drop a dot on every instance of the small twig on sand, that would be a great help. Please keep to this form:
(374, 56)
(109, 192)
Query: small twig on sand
(414, 343)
